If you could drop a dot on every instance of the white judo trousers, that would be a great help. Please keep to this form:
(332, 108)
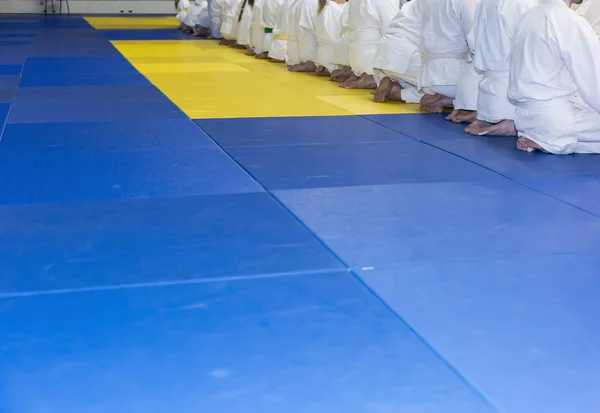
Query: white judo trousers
(243, 36)
(398, 56)
(215, 11)
(555, 79)
(339, 50)
(444, 47)
(231, 13)
(494, 29)
(307, 15)
(590, 10)
(274, 35)
(329, 28)
(257, 30)
(291, 31)
(182, 10)
(198, 14)
(368, 21)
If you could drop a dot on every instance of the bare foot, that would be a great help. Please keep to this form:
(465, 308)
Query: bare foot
(303, 67)
(322, 71)
(200, 32)
(435, 103)
(382, 92)
(476, 127)
(502, 128)
(341, 75)
(271, 60)
(461, 115)
(527, 145)
(238, 46)
(365, 81)
(351, 80)
(225, 42)
(249, 51)
(263, 55)
(396, 93)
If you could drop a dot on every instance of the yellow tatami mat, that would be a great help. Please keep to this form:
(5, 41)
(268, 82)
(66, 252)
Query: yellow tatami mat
(128, 22)
(210, 81)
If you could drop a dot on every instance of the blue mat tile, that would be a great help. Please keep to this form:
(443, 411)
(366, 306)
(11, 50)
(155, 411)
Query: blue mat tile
(14, 43)
(10, 80)
(74, 176)
(162, 134)
(92, 110)
(496, 153)
(312, 166)
(6, 69)
(300, 344)
(91, 244)
(59, 79)
(4, 109)
(296, 131)
(379, 225)
(16, 35)
(523, 330)
(77, 65)
(8, 94)
(581, 191)
(137, 92)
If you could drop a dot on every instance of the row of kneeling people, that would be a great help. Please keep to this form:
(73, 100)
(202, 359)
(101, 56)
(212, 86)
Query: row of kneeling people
(523, 68)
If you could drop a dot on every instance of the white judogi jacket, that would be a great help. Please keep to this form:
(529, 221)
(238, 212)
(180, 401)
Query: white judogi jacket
(231, 13)
(590, 10)
(270, 11)
(368, 21)
(198, 14)
(243, 37)
(443, 43)
(215, 11)
(495, 25)
(329, 28)
(555, 79)
(257, 30)
(340, 46)
(276, 10)
(291, 31)
(307, 15)
(182, 10)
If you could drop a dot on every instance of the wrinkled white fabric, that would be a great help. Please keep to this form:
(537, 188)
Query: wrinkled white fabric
(555, 79)
(182, 10)
(198, 14)
(329, 27)
(368, 21)
(443, 43)
(215, 11)
(306, 31)
(243, 37)
(494, 29)
(398, 54)
(257, 30)
(340, 46)
(590, 10)
(270, 12)
(291, 31)
(231, 13)
(278, 15)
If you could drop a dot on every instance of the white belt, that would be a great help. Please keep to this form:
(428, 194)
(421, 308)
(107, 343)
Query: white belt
(426, 57)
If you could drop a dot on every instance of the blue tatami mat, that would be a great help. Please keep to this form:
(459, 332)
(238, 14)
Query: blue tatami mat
(387, 224)
(581, 191)
(299, 344)
(4, 109)
(74, 176)
(10, 69)
(9, 80)
(162, 134)
(496, 153)
(127, 92)
(8, 94)
(78, 65)
(83, 79)
(132, 241)
(522, 328)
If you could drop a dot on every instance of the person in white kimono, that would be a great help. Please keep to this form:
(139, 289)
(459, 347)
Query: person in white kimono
(215, 10)
(555, 81)
(230, 25)
(197, 20)
(307, 14)
(329, 27)
(495, 25)
(444, 49)
(368, 21)
(291, 31)
(275, 44)
(339, 50)
(257, 31)
(590, 10)
(245, 22)
(398, 59)
(182, 7)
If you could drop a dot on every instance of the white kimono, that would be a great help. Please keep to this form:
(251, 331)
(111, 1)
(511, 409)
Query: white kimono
(368, 21)
(398, 56)
(444, 47)
(198, 14)
(329, 28)
(340, 46)
(495, 25)
(291, 31)
(555, 79)
(308, 45)
(243, 37)
(215, 10)
(231, 13)
(257, 30)
(182, 10)
(275, 17)
(590, 10)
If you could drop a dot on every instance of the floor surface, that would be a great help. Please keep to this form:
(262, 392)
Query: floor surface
(186, 229)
